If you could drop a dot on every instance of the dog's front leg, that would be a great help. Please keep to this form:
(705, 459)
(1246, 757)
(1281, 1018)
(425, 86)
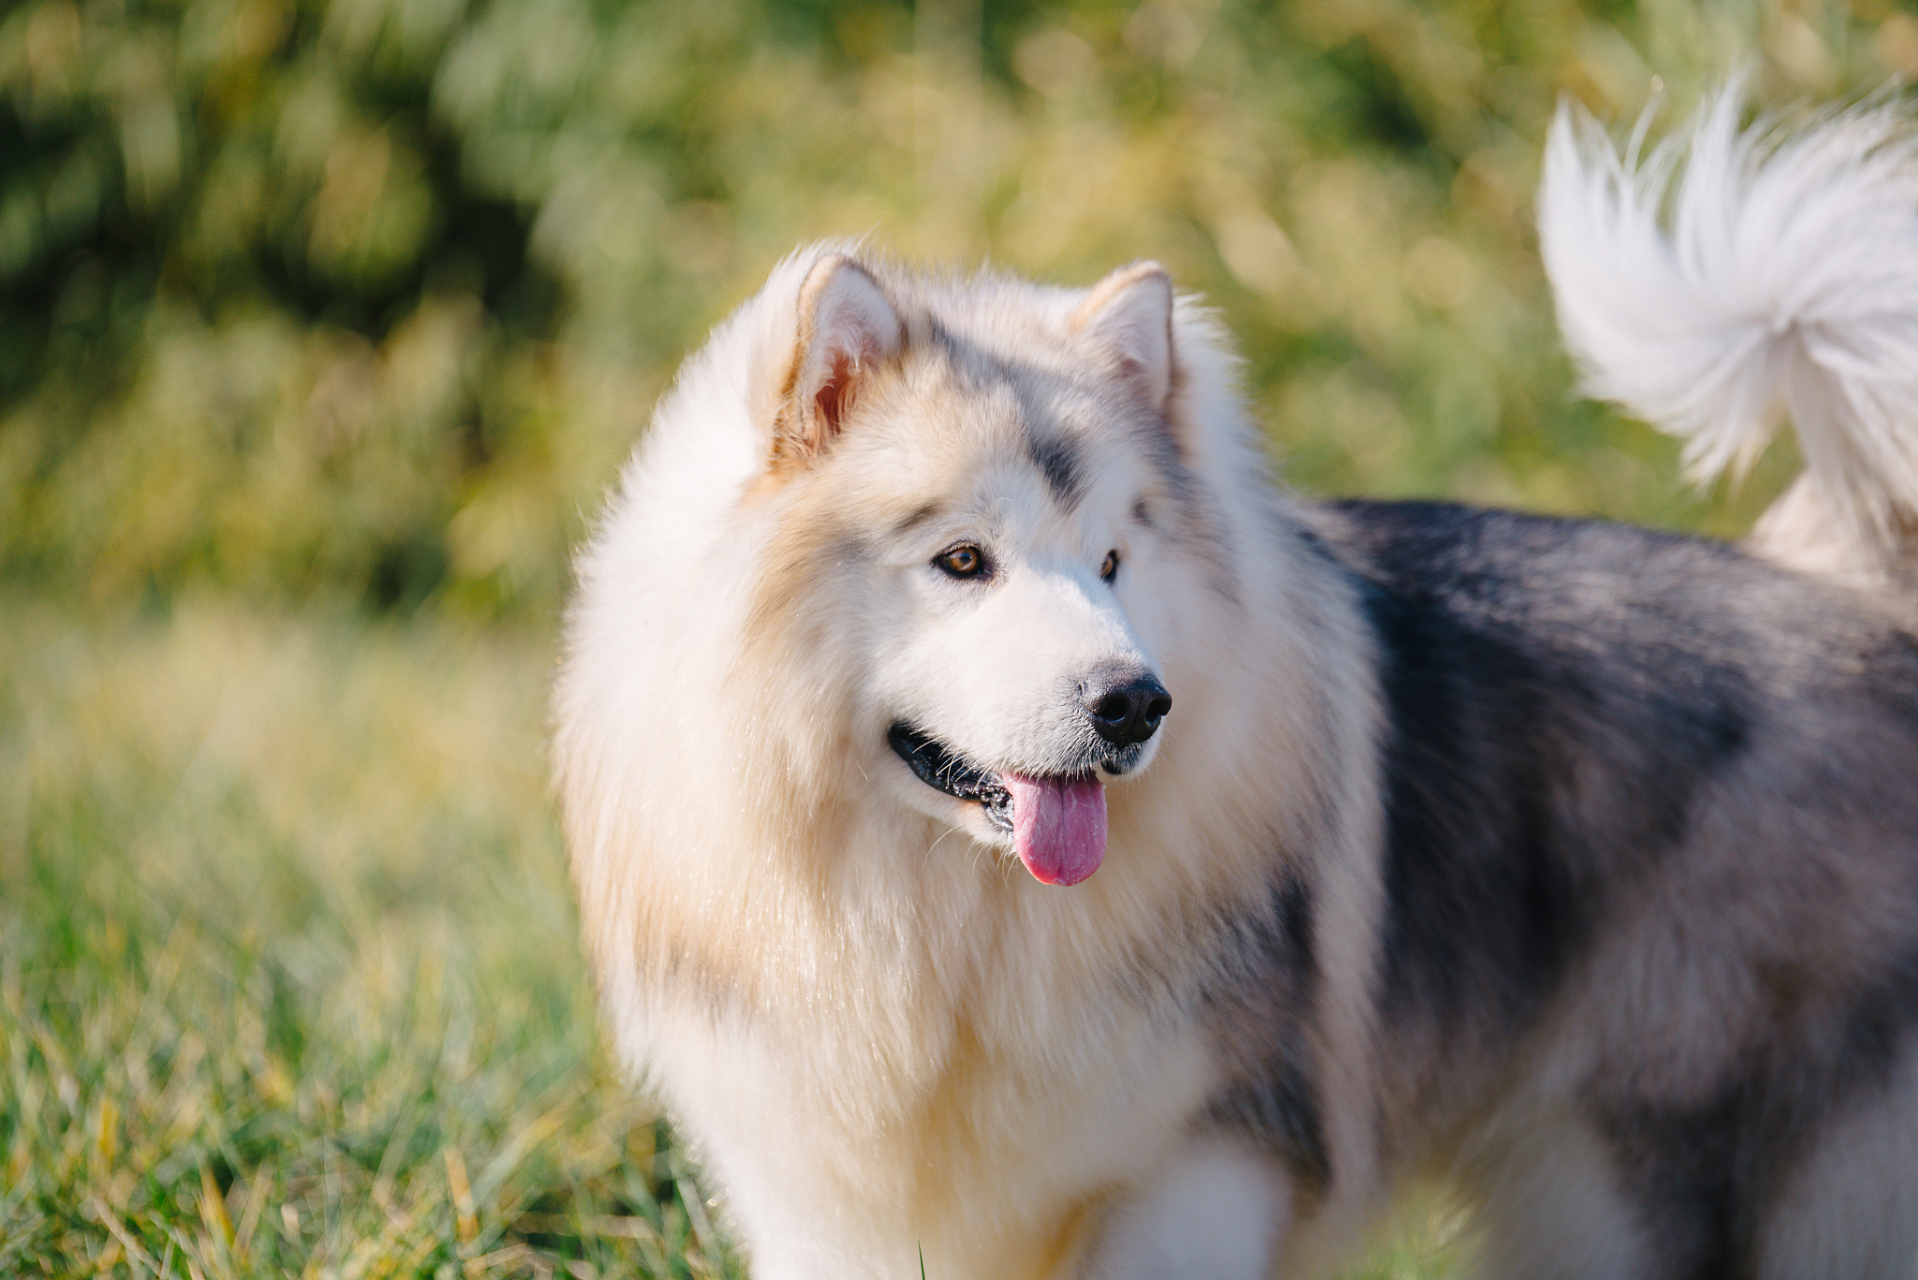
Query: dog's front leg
(1215, 1212)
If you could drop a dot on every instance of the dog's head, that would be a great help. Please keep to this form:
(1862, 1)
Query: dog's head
(974, 493)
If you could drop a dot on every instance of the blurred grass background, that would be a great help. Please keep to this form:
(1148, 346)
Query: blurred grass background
(324, 323)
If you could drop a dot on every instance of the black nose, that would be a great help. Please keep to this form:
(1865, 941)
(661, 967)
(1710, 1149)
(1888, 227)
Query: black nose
(1127, 708)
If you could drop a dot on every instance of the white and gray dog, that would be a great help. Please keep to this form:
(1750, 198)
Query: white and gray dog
(1012, 833)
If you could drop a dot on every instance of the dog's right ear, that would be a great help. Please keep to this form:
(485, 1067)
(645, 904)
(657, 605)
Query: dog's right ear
(1129, 315)
(847, 329)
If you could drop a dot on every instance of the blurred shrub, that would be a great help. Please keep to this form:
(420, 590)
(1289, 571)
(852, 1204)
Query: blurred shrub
(366, 298)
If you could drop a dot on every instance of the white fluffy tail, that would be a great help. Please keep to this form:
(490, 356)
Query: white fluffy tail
(1735, 277)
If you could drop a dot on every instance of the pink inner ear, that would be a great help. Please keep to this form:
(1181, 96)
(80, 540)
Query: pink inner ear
(835, 396)
(849, 329)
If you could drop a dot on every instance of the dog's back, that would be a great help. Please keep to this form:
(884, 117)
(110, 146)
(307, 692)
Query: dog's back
(1651, 893)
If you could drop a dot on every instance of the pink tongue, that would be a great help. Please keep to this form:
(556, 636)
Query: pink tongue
(1059, 827)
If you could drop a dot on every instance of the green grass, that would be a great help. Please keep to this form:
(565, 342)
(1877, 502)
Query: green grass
(289, 976)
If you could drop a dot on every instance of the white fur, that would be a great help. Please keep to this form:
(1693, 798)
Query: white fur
(1735, 277)
(1215, 1211)
(1548, 1202)
(1852, 1207)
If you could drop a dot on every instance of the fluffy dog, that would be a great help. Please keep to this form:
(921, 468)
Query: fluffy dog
(1011, 832)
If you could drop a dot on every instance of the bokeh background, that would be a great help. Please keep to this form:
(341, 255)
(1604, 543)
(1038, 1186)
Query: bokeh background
(325, 323)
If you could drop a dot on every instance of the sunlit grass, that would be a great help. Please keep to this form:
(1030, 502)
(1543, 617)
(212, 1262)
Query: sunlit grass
(1428, 1239)
(288, 977)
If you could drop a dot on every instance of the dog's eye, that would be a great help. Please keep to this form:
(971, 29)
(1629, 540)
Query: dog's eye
(962, 561)
(1110, 568)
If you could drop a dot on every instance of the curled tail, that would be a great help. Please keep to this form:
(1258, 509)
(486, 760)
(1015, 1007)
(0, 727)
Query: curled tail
(1731, 279)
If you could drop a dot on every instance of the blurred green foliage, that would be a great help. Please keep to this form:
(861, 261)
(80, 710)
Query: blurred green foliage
(365, 299)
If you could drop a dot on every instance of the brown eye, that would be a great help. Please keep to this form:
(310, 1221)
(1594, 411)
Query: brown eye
(962, 561)
(1110, 568)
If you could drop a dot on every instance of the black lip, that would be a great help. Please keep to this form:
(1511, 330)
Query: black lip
(943, 769)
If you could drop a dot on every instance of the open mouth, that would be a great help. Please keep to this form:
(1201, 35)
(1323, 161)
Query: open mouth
(1057, 823)
(943, 769)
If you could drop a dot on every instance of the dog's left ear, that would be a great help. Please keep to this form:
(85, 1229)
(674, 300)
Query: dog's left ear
(847, 328)
(1129, 314)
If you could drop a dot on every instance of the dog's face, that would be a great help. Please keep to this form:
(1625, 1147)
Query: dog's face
(1018, 682)
(992, 493)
